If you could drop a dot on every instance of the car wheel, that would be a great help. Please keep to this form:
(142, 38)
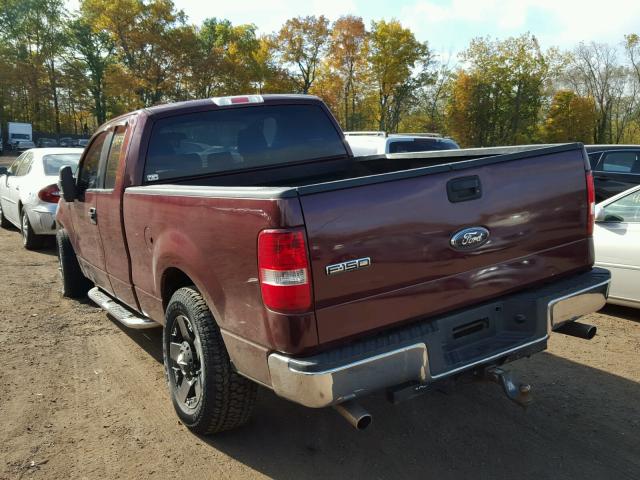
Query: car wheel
(30, 240)
(207, 394)
(4, 223)
(74, 283)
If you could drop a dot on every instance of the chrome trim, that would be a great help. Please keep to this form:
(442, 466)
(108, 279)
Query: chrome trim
(120, 312)
(323, 388)
(575, 304)
(339, 384)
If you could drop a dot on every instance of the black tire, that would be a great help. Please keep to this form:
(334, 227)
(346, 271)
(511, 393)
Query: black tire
(74, 283)
(30, 240)
(4, 223)
(226, 399)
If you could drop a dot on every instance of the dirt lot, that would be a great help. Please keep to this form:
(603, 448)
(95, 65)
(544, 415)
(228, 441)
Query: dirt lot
(81, 397)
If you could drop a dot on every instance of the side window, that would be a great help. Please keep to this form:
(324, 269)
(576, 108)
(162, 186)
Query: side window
(626, 209)
(16, 164)
(113, 160)
(25, 165)
(90, 166)
(621, 162)
(593, 159)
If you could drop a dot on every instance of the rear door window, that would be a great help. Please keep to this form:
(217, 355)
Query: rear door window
(621, 162)
(113, 159)
(240, 138)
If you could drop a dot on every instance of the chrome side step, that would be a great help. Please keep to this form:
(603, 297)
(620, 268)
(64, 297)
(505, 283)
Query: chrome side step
(118, 311)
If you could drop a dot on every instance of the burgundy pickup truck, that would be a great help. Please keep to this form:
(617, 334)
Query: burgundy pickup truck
(271, 256)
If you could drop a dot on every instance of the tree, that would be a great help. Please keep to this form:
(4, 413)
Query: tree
(90, 54)
(595, 72)
(394, 55)
(570, 118)
(497, 100)
(347, 58)
(302, 42)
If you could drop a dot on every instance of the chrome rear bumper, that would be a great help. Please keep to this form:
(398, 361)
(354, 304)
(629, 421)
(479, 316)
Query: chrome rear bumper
(306, 382)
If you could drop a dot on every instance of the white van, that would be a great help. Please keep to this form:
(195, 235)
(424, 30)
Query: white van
(378, 143)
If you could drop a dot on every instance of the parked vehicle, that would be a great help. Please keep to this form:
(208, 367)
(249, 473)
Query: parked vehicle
(616, 168)
(66, 142)
(29, 192)
(20, 136)
(377, 143)
(272, 256)
(617, 243)
(47, 143)
(83, 142)
(22, 145)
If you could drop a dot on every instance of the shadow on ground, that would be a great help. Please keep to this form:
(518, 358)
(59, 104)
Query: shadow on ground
(584, 424)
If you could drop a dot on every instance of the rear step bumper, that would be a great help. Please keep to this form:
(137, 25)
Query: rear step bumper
(118, 311)
(428, 350)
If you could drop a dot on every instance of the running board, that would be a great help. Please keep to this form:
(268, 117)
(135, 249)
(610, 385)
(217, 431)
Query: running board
(118, 311)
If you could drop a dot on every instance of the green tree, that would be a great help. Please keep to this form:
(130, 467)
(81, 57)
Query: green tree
(394, 57)
(302, 43)
(570, 118)
(497, 99)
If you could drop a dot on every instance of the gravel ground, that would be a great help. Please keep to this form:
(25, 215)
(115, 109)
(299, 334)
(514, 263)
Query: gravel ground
(82, 397)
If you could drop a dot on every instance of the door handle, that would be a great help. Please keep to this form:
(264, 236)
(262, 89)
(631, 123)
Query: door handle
(93, 215)
(464, 188)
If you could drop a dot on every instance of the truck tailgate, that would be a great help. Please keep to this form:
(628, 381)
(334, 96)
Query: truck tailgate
(534, 207)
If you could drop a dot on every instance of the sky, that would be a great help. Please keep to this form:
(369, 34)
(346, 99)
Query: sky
(448, 25)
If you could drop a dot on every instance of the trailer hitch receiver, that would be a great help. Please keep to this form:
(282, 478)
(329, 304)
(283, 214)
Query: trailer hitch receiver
(517, 392)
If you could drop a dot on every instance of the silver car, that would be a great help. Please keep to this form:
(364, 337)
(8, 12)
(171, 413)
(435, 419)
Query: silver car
(29, 192)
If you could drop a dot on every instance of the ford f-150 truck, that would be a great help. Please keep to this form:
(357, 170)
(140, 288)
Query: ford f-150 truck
(271, 256)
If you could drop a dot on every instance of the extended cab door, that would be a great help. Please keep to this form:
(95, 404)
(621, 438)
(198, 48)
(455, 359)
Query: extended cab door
(109, 214)
(86, 235)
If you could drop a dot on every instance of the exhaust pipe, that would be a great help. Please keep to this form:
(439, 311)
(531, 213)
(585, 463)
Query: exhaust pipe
(576, 329)
(355, 414)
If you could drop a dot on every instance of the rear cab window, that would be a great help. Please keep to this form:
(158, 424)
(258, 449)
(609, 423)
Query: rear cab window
(225, 140)
(54, 162)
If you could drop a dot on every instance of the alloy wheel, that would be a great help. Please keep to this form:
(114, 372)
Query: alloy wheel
(185, 363)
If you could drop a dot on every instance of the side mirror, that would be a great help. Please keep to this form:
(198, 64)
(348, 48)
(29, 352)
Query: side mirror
(599, 217)
(3, 170)
(67, 184)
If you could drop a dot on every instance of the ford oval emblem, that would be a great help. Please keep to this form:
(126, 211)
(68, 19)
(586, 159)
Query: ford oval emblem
(469, 238)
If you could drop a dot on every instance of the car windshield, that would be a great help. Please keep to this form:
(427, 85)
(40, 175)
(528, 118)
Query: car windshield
(53, 163)
(231, 139)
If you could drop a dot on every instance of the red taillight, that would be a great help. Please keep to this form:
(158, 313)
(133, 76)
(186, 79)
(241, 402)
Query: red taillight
(591, 203)
(50, 194)
(283, 267)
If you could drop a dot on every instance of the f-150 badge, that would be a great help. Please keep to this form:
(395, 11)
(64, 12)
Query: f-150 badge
(469, 238)
(348, 266)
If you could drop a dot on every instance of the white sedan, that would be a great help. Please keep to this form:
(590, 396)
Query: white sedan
(29, 192)
(617, 242)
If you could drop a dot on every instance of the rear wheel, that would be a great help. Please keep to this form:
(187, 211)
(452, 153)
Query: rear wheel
(4, 223)
(207, 394)
(74, 283)
(30, 240)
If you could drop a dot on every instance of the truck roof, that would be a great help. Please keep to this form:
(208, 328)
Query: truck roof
(194, 104)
